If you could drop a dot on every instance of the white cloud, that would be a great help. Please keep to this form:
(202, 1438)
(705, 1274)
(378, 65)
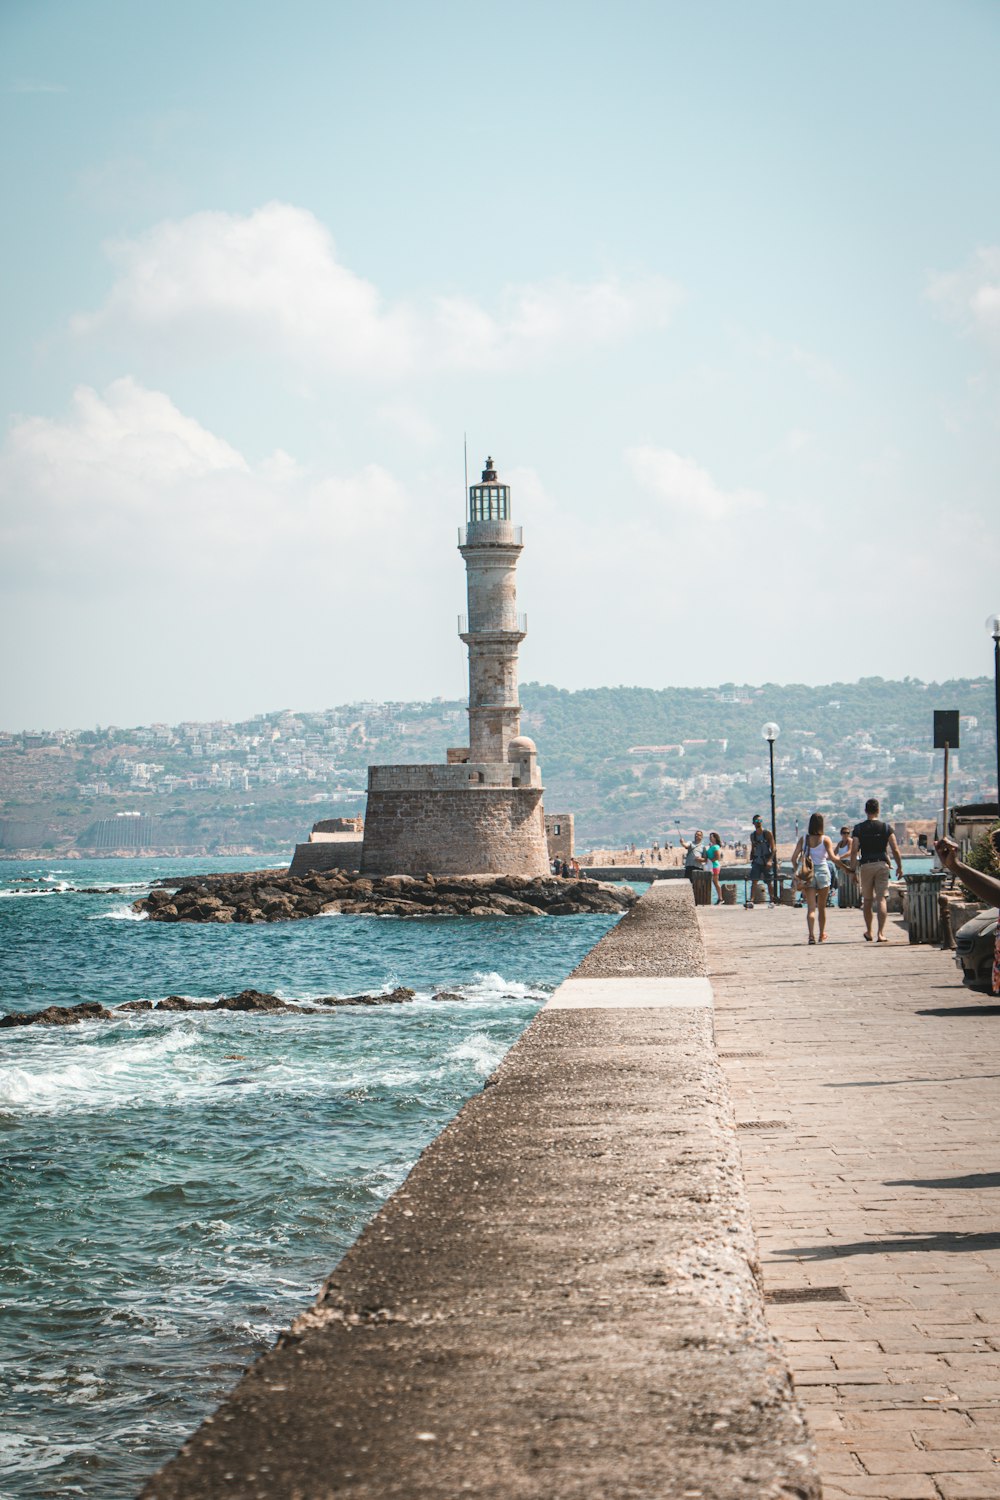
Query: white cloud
(685, 487)
(131, 489)
(145, 561)
(970, 296)
(271, 280)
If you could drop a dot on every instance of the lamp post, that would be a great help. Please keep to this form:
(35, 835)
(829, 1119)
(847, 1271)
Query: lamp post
(993, 629)
(770, 732)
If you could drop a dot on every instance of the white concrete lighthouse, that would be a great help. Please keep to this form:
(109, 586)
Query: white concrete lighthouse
(481, 813)
(492, 630)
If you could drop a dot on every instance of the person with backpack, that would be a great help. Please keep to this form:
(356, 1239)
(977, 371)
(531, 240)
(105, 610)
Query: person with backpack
(872, 843)
(762, 857)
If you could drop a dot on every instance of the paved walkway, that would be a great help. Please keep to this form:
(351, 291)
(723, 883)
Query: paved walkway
(867, 1083)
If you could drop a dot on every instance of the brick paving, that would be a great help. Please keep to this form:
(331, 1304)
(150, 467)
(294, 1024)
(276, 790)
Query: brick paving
(872, 1097)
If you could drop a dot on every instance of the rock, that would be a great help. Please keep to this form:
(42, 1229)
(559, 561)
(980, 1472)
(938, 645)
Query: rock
(135, 1005)
(397, 996)
(252, 1000)
(204, 911)
(447, 995)
(59, 1015)
(271, 897)
(513, 908)
(180, 1002)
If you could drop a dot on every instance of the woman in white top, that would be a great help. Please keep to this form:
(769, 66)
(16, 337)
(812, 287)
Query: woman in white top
(819, 848)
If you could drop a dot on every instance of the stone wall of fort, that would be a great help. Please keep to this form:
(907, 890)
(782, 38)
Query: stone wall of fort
(559, 835)
(460, 830)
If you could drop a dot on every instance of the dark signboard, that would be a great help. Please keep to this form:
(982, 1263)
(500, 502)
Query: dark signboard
(946, 728)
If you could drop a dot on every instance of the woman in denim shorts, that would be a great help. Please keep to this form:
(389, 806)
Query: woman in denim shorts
(819, 848)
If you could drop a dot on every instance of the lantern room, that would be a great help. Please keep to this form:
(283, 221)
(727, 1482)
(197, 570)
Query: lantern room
(489, 500)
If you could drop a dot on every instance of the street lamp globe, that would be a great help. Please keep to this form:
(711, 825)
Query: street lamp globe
(993, 625)
(770, 732)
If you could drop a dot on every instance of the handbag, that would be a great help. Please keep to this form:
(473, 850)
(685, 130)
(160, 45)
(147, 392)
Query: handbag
(806, 870)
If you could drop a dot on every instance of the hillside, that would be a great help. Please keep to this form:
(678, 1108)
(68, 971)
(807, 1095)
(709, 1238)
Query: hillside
(631, 763)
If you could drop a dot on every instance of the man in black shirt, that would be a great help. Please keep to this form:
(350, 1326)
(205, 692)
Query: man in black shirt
(871, 844)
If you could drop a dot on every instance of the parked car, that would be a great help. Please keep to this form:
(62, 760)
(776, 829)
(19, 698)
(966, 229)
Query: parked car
(974, 944)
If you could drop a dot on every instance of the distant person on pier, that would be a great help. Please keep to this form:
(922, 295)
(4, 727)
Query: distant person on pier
(816, 846)
(713, 862)
(841, 860)
(762, 857)
(872, 843)
(694, 859)
(986, 887)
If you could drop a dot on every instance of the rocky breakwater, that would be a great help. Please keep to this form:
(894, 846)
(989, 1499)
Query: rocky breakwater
(265, 896)
(257, 1002)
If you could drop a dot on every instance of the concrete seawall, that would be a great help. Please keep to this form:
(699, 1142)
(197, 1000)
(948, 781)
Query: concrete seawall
(562, 1298)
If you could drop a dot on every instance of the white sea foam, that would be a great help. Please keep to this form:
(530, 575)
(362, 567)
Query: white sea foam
(24, 1453)
(483, 1052)
(493, 986)
(119, 914)
(94, 1076)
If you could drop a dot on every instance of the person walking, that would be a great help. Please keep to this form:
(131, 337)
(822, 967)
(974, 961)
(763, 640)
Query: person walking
(713, 863)
(872, 843)
(813, 856)
(761, 856)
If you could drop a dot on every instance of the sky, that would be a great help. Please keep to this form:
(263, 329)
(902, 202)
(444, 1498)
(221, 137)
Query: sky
(716, 285)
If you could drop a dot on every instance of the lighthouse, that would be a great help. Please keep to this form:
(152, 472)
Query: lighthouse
(492, 629)
(481, 812)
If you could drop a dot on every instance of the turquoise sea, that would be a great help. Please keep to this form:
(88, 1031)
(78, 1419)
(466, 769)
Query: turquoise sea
(175, 1187)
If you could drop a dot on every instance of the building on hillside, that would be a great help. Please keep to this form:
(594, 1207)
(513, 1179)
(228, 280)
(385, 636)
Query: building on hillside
(481, 812)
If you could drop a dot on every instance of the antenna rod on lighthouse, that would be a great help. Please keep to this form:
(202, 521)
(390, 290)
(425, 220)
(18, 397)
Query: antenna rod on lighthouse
(465, 445)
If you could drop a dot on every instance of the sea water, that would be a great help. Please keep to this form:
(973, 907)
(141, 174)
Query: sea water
(174, 1187)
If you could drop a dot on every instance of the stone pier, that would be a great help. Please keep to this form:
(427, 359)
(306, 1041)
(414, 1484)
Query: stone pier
(562, 1301)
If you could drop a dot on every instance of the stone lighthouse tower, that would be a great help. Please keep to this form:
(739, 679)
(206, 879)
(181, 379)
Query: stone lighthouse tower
(481, 813)
(492, 629)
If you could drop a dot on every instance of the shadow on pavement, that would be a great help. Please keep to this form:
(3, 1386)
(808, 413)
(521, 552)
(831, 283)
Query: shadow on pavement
(961, 1010)
(945, 1242)
(971, 1180)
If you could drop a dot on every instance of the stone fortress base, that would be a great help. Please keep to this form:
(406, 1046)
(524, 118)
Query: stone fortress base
(464, 819)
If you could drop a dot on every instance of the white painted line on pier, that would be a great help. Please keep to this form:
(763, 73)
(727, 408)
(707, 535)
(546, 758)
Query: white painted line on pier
(631, 994)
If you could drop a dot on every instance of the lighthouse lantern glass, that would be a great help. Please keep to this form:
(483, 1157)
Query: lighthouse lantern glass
(489, 502)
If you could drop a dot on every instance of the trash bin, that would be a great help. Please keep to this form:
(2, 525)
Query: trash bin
(701, 884)
(728, 894)
(848, 890)
(923, 917)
